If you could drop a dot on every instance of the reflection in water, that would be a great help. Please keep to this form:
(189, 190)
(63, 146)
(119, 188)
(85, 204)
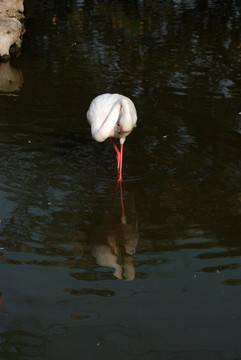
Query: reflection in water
(11, 79)
(115, 240)
(24, 342)
(182, 69)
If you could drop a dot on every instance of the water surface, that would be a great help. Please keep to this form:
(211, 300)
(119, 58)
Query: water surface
(79, 279)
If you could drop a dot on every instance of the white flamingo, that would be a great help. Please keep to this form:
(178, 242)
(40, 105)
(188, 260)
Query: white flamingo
(112, 116)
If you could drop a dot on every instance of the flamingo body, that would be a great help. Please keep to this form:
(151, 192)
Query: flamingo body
(112, 115)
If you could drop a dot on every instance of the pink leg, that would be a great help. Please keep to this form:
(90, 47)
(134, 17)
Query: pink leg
(120, 163)
(117, 153)
(119, 157)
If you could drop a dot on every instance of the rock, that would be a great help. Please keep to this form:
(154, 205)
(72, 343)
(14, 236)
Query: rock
(11, 8)
(10, 33)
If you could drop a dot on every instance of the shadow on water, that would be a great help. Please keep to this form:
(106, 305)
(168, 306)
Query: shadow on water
(69, 235)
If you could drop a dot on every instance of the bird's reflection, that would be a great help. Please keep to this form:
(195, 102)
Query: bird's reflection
(11, 78)
(116, 239)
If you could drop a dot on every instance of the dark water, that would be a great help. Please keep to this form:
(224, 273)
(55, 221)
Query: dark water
(79, 280)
